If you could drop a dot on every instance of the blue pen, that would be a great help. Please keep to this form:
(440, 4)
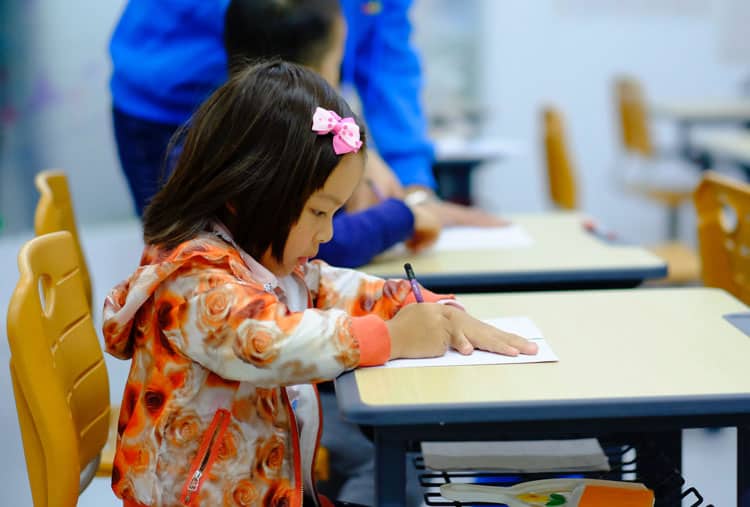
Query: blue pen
(413, 281)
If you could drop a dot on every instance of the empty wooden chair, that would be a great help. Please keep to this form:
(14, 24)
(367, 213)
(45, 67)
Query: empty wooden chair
(54, 212)
(682, 262)
(723, 206)
(561, 182)
(58, 372)
(669, 182)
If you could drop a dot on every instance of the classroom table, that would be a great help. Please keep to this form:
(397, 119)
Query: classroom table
(457, 158)
(631, 361)
(688, 114)
(730, 146)
(563, 255)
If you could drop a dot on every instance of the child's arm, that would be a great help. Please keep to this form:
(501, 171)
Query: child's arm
(243, 333)
(360, 236)
(362, 294)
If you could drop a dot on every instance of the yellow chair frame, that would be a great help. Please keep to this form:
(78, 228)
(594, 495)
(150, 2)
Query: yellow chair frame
(59, 376)
(636, 140)
(724, 237)
(561, 182)
(54, 212)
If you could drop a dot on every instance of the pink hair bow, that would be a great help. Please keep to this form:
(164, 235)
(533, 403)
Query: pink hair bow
(345, 131)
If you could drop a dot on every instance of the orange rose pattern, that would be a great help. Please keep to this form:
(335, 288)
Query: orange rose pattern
(203, 335)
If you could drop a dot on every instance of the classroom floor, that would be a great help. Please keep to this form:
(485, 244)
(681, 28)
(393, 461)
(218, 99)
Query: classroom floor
(113, 251)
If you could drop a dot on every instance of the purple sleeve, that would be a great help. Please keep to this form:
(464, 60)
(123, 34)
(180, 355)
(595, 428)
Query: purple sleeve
(358, 237)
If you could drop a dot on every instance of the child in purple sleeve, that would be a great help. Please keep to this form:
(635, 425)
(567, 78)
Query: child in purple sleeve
(260, 29)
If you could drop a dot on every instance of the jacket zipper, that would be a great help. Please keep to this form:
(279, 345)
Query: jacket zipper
(317, 442)
(295, 445)
(205, 457)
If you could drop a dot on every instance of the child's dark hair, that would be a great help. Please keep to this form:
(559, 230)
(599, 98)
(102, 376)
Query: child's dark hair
(249, 148)
(297, 31)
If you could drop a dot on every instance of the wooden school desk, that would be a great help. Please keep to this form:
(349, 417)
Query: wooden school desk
(730, 146)
(564, 255)
(631, 361)
(456, 158)
(689, 114)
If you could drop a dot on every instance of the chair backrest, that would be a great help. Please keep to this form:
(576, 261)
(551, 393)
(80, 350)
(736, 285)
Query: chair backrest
(561, 180)
(633, 115)
(59, 377)
(54, 212)
(723, 207)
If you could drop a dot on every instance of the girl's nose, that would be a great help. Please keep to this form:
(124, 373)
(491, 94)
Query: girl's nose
(326, 233)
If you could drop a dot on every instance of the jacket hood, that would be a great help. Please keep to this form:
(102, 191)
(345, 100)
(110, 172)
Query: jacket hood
(157, 264)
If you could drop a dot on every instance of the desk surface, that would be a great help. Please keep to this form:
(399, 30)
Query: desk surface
(734, 146)
(563, 253)
(649, 352)
(482, 149)
(727, 110)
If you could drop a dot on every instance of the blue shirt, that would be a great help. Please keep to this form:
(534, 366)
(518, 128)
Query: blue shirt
(384, 68)
(168, 56)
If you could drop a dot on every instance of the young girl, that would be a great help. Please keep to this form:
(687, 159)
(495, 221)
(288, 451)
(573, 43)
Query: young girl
(227, 323)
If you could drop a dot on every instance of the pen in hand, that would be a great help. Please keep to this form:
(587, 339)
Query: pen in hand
(413, 281)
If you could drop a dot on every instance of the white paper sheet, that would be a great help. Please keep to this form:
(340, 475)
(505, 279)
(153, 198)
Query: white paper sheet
(519, 325)
(482, 238)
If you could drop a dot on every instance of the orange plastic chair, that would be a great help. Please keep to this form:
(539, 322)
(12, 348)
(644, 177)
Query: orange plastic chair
(634, 129)
(59, 377)
(561, 182)
(54, 212)
(723, 206)
(636, 141)
(682, 262)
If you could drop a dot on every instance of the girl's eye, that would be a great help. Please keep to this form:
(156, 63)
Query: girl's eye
(319, 213)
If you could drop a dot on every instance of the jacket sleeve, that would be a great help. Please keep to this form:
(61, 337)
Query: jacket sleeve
(384, 67)
(243, 333)
(358, 237)
(360, 294)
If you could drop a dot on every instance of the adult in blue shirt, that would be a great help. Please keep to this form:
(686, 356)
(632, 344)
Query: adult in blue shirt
(168, 58)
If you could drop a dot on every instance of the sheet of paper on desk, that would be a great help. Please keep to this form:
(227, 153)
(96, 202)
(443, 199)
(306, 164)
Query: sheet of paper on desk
(482, 238)
(521, 325)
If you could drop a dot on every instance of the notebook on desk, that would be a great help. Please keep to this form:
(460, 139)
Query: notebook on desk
(460, 238)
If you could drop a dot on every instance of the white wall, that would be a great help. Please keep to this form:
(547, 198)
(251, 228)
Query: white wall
(57, 112)
(566, 52)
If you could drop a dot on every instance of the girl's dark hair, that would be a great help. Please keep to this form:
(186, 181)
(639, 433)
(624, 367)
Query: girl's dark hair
(249, 148)
(297, 31)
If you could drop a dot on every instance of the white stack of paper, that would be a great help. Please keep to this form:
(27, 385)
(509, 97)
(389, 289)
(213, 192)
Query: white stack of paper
(517, 457)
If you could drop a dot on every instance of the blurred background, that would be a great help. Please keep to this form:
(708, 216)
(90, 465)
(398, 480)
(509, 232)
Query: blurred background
(490, 66)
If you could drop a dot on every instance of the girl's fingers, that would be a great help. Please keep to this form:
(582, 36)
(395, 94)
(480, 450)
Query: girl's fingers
(462, 344)
(521, 344)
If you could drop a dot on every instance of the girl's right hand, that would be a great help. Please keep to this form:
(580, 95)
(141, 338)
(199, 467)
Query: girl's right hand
(429, 329)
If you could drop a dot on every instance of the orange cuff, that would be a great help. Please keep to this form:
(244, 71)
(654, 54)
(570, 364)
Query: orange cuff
(374, 340)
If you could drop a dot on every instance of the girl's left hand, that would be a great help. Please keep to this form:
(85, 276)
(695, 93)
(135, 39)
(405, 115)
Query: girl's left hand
(427, 227)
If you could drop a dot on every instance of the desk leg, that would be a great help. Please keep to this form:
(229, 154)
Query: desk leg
(743, 466)
(390, 469)
(660, 464)
(683, 135)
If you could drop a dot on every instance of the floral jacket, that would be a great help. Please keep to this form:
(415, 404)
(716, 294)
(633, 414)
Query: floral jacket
(220, 406)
